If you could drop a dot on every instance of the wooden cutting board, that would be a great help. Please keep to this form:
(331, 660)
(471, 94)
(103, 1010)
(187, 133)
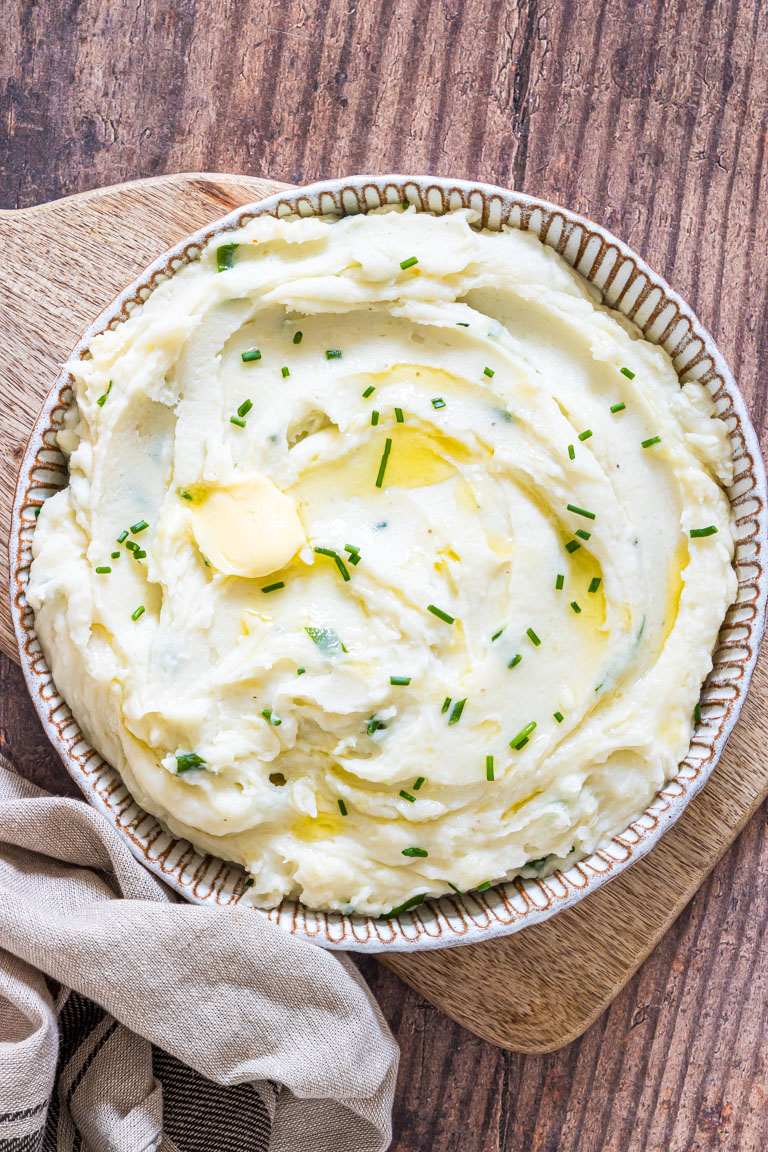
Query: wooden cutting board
(531, 992)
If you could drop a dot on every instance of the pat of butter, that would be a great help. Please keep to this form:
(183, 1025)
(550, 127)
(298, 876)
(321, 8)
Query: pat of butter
(248, 528)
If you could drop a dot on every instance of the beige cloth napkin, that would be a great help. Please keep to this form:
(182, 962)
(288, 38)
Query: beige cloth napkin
(188, 1029)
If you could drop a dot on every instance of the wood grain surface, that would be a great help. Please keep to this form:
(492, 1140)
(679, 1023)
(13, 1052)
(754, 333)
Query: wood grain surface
(635, 113)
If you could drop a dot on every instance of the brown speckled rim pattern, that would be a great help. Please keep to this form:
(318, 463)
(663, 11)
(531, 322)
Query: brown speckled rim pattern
(626, 284)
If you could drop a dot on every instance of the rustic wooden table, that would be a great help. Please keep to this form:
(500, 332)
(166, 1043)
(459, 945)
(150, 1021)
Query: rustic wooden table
(650, 117)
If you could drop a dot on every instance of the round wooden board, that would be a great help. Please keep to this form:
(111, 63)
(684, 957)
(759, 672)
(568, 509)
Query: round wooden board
(531, 992)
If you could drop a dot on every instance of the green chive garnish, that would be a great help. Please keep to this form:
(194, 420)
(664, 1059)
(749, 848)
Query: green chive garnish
(558, 716)
(103, 569)
(353, 548)
(333, 354)
(418, 783)
(406, 203)
(249, 882)
(518, 741)
(384, 459)
(440, 614)
(400, 681)
(369, 391)
(237, 420)
(458, 891)
(571, 452)
(245, 408)
(462, 324)
(456, 711)
(297, 337)
(251, 354)
(409, 263)
(652, 440)
(580, 511)
(698, 532)
(188, 760)
(272, 717)
(572, 546)
(374, 418)
(326, 640)
(583, 533)
(139, 554)
(131, 545)
(586, 434)
(628, 373)
(415, 852)
(514, 661)
(135, 528)
(482, 887)
(532, 636)
(285, 371)
(342, 805)
(559, 582)
(446, 705)
(139, 612)
(594, 584)
(489, 372)
(407, 796)
(300, 671)
(489, 767)
(225, 257)
(575, 607)
(103, 399)
(399, 415)
(182, 492)
(618, 407)
(497, 634)
(114, 555)
(336, 559)
(274, 587)
(438, 402)
(697, 713)
(374, 725)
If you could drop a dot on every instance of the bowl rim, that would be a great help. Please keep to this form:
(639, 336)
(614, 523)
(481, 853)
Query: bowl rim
(410, 931)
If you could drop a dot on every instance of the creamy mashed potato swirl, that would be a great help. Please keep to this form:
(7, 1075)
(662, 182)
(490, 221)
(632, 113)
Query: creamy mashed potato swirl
(415, 557)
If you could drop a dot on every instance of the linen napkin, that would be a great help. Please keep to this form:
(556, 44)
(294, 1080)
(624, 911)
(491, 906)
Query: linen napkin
(133, 1022)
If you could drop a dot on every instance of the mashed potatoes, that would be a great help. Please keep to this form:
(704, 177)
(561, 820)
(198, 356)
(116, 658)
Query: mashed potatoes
(391, 562)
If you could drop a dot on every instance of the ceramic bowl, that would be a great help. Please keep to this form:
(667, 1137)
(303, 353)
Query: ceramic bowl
(626, 284)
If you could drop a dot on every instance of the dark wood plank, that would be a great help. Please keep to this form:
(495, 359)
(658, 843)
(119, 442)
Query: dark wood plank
(650, 117)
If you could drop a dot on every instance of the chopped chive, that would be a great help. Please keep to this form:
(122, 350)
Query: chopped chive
(369, 391)
(697, 713)
(103, 399)
(532, 636)
(406, 203)
(103, 569)
(575, 607)
(438, 402)
(182, 492)
(586, 434)
(131, 545)
(407, 796)
(518, 741)
(594, 584)
(558, 716)
(399, 415)
(618, 407)
(189, 760)
(139, 612)
(225, 256)
(297, 336)
(489, 768)
(342, 805)
(353, 548)
(406, 907)
(374, 418)
(400, 681)
(237, 420)
(383, 464)
(354, 558)
(571, 452)
(326, 639)
(446, 705)
(482, 887)
(139, 527)
(300, 671)
(440, 614)
(325, 551)
(698, 532)
(572, 546)
(628, 373)
(245, 408)
(418, 783)
(462, 324)
(333, 354)
(274, 587)
(489, 372)
(497, 634)
(456, 711)
(581, 511)
(514, 661)
(251, 354)
(272, 717)
(409, 263)
(559, 582)
(114, 555)
(652, 440)
(139, 554)
(583, 533)
(415, 852)
(36, 512)
(374, 725)
(249, 882)
(285, 372)
(458, 891)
